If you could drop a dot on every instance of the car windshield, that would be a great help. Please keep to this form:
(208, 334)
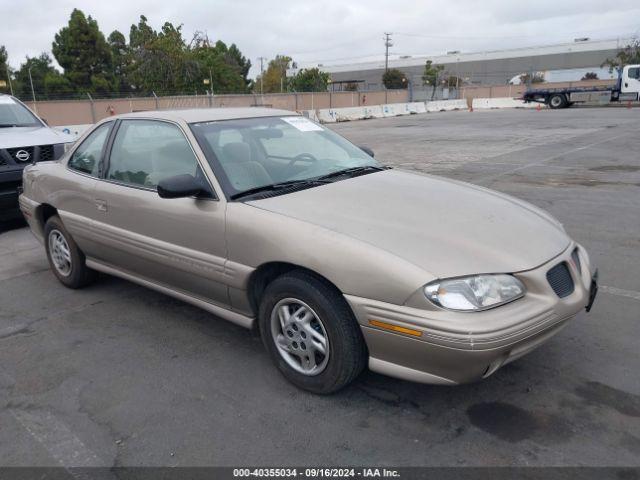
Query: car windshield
(248, 154)
(13, 114)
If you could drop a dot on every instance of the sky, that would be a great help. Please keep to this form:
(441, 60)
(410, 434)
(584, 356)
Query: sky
(333, 31)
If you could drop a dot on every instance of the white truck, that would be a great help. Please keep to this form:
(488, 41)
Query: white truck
(627, 88)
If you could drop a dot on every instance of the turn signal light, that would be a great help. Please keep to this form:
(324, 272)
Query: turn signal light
(395, 328)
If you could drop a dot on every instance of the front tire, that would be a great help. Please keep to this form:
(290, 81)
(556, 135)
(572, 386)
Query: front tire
(65, 258)
(310, 333)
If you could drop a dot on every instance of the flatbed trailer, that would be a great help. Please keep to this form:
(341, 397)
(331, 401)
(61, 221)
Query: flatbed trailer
(626, 88)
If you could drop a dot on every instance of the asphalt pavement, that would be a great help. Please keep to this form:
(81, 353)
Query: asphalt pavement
(118, 375)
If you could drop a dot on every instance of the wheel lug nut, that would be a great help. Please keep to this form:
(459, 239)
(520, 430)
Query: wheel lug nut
(290, 333)
(303, 346)
(295, 327)
(303, 335)
(295, 344)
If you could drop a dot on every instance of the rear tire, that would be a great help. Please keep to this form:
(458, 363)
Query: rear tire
(557, 100)
(310, 333)
(65, 258)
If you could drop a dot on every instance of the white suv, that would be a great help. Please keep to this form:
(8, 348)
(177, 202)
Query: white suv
(24, 139)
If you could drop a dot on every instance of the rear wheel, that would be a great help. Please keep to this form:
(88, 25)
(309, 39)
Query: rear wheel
(311, 333)
(557, 100)
(65, 258)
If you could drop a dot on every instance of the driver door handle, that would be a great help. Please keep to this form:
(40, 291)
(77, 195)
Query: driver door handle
(101, 205)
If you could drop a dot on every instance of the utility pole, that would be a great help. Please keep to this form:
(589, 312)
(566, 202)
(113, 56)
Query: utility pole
(262, 59)
(387, 43)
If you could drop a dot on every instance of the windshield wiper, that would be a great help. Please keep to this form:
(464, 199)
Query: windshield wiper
(7, 125)
(274, 187)
(353, 171)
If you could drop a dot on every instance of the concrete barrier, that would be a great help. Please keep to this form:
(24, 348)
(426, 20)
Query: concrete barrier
(311, 115)
(347, 114)
(446, 105)
(73, 130)
(327, 115)
(417, 107)
(374, 111)
(501, 102)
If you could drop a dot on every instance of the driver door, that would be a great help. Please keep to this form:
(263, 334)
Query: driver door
(178, 243)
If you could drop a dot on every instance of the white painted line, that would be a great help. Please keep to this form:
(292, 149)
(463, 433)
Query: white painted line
(552, 157)
(61, 443)
(620, 292)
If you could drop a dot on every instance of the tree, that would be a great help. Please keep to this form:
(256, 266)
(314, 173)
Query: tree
(224, 66)
(590, 76)
(47, 81)
(244, 65)
(626, 56)
(120, 60)
(310, 80)
(431, 76)
(4, 70)
(160, 61)
(453, 81)
(394, 79)
(82, 51)
(275, 77)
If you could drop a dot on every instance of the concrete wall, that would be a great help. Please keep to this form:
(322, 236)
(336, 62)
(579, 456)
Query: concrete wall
(77, 112)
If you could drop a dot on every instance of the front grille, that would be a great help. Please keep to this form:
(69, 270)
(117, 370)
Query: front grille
(46, 153)
(576, 259)
(560, 280)
(21, 154)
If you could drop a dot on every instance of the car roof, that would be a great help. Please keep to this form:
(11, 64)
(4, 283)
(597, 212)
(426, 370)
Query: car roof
(196, 115)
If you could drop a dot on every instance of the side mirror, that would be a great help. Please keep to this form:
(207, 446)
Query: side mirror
(181, 186)
(366, 150)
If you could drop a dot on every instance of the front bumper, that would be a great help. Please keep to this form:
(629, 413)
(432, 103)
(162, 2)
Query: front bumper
(10, 182)
(438, 346)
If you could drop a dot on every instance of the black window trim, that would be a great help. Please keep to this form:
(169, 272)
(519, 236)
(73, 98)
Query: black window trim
(111, 124)
(107, 158)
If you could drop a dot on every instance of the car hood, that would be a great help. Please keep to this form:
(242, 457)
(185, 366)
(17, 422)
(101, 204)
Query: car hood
(445, 227)
(12, 137)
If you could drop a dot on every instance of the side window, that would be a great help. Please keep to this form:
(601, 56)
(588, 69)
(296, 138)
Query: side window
(86, 158)
(147, 151)
(634, 72)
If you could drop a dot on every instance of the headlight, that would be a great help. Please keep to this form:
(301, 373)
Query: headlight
(478, 292)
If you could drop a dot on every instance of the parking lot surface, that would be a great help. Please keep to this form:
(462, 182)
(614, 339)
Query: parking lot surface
(116, 374)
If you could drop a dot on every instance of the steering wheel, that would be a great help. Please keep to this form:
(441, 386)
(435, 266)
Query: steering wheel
(302, 158)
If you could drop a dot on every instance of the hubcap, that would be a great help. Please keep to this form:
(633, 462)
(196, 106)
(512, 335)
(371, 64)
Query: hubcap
(60, 253)
(300, 336)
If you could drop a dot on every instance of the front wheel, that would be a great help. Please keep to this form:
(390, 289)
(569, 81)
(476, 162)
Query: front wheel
(311, 333)
(65, 258)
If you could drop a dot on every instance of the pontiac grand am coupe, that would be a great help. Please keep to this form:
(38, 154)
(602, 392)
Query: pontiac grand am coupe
(265, 218)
